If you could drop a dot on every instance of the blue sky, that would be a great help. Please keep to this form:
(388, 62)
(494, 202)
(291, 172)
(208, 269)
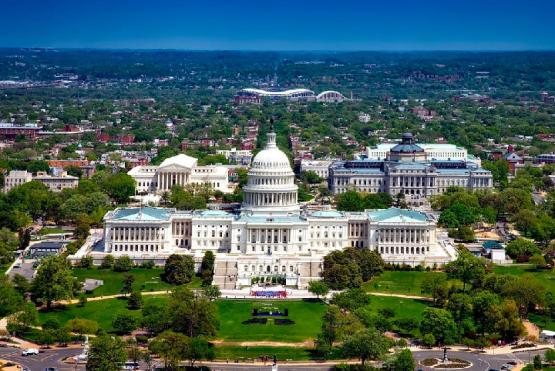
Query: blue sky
(280, 24)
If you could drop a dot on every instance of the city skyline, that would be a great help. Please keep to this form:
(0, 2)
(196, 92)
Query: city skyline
(322, 25)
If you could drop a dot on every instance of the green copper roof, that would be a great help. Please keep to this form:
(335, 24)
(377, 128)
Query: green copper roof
(142, 213)
(394, 214)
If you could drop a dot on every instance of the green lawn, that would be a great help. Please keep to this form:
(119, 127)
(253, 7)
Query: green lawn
(403, 308)
(101, 311)
(282, 353)
(145, 280)
(544, 322)
(307, 317)
(51, 230)
(545, 277)
(399, 282)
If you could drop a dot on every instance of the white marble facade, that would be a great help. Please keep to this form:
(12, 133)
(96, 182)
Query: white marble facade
(271, 236)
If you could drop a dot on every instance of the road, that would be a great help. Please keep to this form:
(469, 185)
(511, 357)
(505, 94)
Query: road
(480, 362)
(50, 358)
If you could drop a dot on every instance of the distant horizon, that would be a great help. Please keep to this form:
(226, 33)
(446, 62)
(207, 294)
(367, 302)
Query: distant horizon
(331, 51)
(287, 25)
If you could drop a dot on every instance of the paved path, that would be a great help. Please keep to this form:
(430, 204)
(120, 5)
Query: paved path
(48, 358)
(242, 294)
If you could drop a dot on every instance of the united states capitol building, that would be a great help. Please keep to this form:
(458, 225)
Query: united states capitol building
(416, 171)
(271, 235)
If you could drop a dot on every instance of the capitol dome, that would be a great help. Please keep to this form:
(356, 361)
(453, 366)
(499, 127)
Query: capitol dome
(271, 187)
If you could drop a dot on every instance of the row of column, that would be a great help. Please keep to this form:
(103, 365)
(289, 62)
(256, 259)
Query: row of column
(136, 233)
(412, 181)
(275, 199)
(262, 235)
(167, 180)
(398, 235)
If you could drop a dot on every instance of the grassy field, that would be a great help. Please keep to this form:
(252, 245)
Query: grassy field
(399, 282)
(231, 313)
(145, 280)
(307, 317)
(51, 230)
(101, 311)
(403, 308)
(544, 322)
(546, 277)
(282, 353)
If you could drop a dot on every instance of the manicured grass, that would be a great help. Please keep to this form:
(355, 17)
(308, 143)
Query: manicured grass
(545, 277)
(307, 316)
(403, 308)
(400, 282)
(145, 280)
(101, 311)
(51, 230)
(544, 322)
(232, 353)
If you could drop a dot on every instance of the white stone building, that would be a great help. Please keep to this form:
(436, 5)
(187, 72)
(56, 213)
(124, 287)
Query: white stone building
(271, 236)
(54, 182)
(320, 167)
(409, 169)
(178, 170)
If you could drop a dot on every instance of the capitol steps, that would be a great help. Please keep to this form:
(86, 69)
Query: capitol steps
(225, 274)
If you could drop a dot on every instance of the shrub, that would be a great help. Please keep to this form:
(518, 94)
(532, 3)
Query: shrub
(123, 264)
(107, 262)
(124, 323)
(86, 262)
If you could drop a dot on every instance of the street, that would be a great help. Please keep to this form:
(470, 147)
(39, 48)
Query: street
(50, 358)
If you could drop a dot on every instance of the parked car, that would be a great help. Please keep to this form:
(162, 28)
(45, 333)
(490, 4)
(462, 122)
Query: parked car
(30, 352)
(130, 366)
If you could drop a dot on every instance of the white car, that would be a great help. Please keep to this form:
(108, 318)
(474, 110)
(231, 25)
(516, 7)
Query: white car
(30, 352)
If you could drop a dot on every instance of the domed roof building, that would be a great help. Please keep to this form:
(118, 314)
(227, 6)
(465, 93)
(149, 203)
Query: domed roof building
(271, 187)
(407, 150)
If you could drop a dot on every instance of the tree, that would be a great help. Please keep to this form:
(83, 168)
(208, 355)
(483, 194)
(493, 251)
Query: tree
(199, 349)
(549, 356)
(127, 287)
(135, 300)
(155, 317)
(207, 268)
(436, 285)
(124, 323)
(370, 263)
(482, 303)
(311, 177)
(467, 268)
(538, 260)
(119, 187)
(429, 340)
(107, 262)
(351, 299)
(439, 323)
(522, 247)
(212, 292)
(171, 346)
(26, 316)
(86, 262)
(10, 299)
(192, 313)
(366, 345)
(537, 362)
(8, 245)
(53, 280)
(179, 269)
(123, 264)
(508, 324)
(318, 288)
(82, 326)
(404, 361)
(185, 200)
(107, 353)
(350, 201)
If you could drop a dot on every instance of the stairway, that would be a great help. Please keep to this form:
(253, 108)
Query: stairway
(225, 274)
